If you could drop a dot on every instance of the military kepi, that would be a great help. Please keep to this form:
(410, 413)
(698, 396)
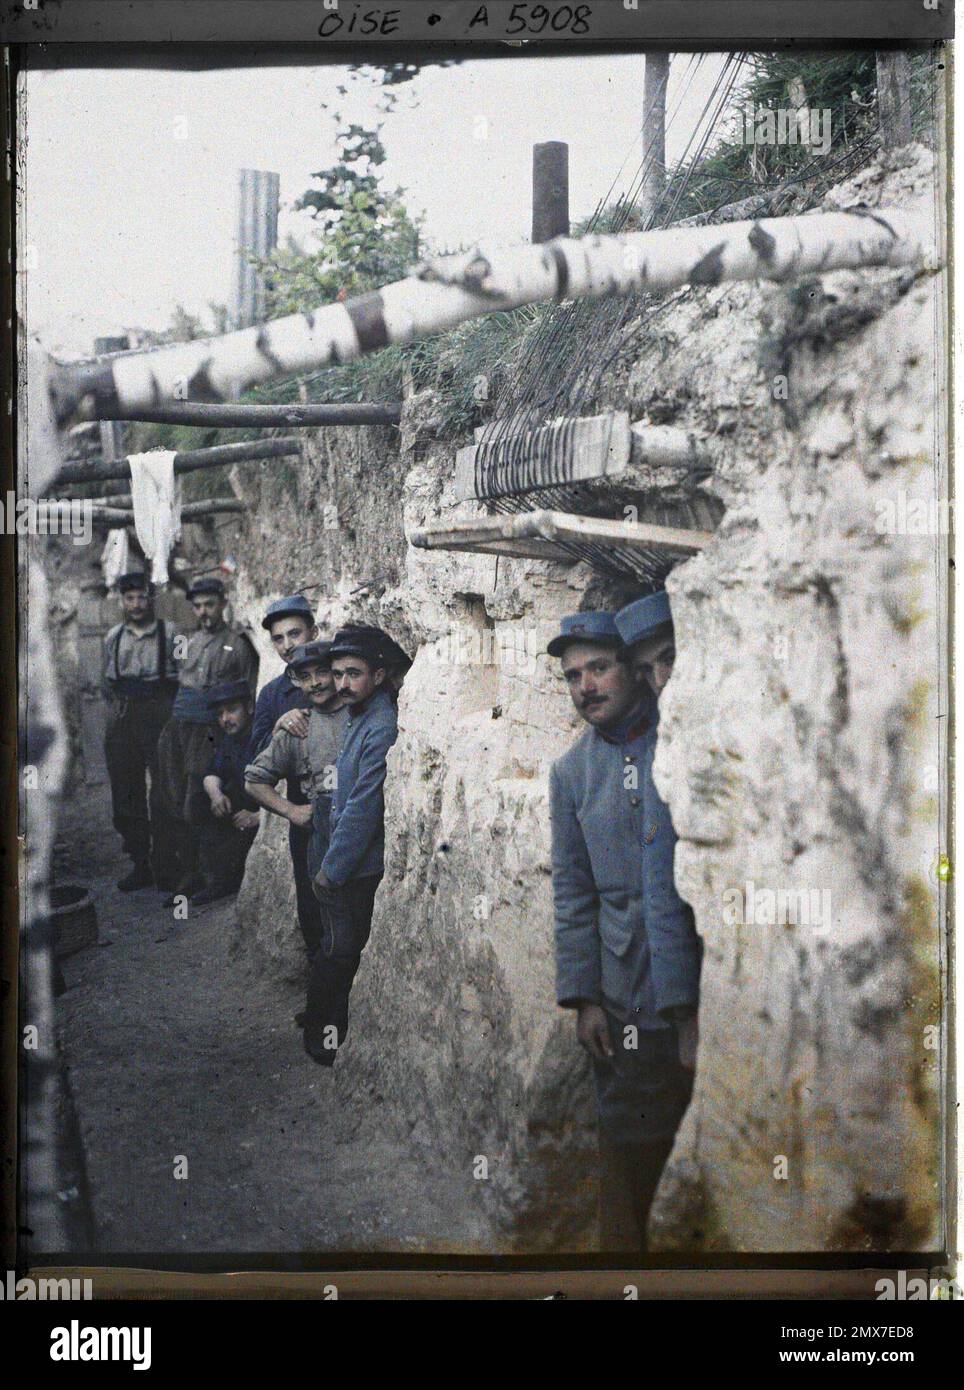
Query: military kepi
(294, 606)
(308, 653)
(355, 641)
(206, 586)
(134, 579)
(640, 620)
(227, 692)
(584, 627)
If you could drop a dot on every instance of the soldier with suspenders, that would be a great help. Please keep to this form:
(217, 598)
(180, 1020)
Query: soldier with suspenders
(139, 684)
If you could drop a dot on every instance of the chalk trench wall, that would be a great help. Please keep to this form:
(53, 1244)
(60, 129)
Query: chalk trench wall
(799, 751)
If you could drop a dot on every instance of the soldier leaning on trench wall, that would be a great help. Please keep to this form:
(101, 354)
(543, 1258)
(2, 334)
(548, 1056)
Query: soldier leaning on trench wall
(627, 954)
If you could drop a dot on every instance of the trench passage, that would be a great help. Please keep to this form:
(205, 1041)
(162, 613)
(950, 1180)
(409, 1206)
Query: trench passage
(175, 1047)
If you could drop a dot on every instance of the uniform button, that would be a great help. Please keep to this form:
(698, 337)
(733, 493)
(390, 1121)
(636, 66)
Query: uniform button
(628, 758)
(634, 801)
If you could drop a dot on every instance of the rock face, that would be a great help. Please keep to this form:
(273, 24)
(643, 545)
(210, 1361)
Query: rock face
(799, 753)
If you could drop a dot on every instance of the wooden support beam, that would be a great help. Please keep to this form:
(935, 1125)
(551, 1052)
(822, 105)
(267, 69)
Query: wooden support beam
(531, 535)
(188, 461)
(190, 511)
(202, 413)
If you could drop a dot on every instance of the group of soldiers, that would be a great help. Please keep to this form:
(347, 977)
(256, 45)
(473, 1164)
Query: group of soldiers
(193, 757)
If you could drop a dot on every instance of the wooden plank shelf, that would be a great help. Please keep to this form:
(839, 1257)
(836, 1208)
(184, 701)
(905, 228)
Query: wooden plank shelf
(537, 535)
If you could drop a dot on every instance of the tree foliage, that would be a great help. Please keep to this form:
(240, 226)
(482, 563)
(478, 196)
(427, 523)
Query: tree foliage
(365, 235)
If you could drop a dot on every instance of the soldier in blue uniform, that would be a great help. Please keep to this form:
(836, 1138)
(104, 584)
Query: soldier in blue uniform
(351, 846)
(627, 957)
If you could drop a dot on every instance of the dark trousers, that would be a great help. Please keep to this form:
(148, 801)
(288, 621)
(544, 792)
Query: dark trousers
(130, 751)
(222, 847)
(629, 1175)
(346, 921)
(309, 913)
(183, 753)
(643, 1094)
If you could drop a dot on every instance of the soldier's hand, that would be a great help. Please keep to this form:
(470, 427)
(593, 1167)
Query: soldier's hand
(294, 721)
(220, 805)
(592, 1030)
(246, 820)
(301, 815)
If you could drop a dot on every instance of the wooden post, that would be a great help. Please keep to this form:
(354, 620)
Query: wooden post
(112, 432)
(893, 99)
(550, 191)
(654, 135)
(257, 236)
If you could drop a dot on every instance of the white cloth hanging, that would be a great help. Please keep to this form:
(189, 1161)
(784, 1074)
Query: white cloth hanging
(157, 507)
(115, 556)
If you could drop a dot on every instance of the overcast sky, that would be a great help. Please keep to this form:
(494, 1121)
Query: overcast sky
(131, 176)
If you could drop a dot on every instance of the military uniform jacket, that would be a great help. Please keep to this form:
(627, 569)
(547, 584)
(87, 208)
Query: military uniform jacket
(275, 699)
(624, 937)
(210, 658)
(356, 847)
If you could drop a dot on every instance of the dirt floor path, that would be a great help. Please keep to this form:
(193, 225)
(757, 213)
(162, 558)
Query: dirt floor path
(171, 1051)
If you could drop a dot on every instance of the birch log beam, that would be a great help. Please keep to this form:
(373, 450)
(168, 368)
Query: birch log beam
(450, 290)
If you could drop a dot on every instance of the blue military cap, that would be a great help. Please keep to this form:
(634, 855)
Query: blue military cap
(366, 642)
(134, 579)
(309, 652)
(643, 618)
(584, 627)
(393, 654)
(227, 692)
(294, 606)
(206, 586)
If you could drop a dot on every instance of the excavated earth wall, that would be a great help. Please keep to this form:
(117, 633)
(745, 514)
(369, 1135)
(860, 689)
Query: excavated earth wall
(799, 753)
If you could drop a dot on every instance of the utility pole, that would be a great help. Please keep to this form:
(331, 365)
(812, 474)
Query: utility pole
(257, 236)
(893, 99)
(654, 136)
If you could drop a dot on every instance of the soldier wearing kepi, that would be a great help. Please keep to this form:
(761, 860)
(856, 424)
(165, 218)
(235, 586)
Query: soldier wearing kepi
(228, 825)
(398, 662)
(283, 705)
(627, 958)
(214, 653)
(352, 855)
(306, 763)
(139, 683)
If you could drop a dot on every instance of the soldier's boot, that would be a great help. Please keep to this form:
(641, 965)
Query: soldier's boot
(139, 877)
